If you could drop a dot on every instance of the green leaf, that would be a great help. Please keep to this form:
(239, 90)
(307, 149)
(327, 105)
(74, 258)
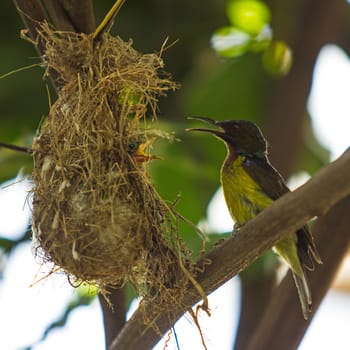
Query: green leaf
(262, 40)
(230, 42)
(277, 59)
(248, 16)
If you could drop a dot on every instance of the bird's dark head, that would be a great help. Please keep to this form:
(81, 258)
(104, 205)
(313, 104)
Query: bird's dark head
(240, 135)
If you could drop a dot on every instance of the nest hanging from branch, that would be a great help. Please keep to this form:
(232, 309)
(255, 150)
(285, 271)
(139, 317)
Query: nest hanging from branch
(95, 213)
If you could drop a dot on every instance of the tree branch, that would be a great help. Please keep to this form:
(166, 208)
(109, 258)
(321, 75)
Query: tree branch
(113, 317)
(287, 214)
(293, 91)
(334, 240)
(255, 294)
(32, 13)
(70, 15)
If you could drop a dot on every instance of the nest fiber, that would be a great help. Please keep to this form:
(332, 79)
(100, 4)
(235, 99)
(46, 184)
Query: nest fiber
(95, 213)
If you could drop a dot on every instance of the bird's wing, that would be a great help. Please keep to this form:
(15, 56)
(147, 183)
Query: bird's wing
(306, 248)
(273, 185)
(268, 178)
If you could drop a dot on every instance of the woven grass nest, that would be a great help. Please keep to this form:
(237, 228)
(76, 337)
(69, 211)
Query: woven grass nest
(95, 213)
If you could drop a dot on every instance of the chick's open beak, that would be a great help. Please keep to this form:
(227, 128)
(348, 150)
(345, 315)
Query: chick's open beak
(140, 154)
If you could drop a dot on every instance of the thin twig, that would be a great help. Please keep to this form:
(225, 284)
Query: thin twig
(107, 22)
(15, 148)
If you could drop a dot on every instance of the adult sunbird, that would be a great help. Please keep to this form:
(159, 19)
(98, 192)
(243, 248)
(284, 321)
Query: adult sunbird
(250, 184)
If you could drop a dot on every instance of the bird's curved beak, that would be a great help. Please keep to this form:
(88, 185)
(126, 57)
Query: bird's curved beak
(220, 134)
(141, 155)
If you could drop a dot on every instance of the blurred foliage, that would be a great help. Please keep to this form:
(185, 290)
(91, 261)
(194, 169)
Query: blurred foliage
(222, 89)
(7, 245)
(250, 31)
(83, 296)
(236, 88)
(249, 16)
(277, 58)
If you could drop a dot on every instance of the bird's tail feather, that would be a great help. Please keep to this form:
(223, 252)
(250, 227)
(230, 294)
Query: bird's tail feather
(304, 293)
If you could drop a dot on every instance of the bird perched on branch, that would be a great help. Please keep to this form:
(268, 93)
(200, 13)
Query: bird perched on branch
(250, 184)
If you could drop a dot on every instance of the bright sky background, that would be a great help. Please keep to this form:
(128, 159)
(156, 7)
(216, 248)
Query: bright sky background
(25, 312)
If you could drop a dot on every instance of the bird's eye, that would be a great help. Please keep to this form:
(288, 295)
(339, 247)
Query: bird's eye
(132, 147)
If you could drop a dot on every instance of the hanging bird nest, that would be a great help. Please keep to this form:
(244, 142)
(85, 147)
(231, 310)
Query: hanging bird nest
(95, 213)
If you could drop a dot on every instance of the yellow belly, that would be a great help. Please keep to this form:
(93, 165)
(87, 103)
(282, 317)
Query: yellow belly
(245, 200)
(244, 197)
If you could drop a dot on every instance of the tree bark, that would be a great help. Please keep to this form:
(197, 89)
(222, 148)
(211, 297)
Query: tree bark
(254, 294)
(319, 23)
(113, 311)
(64, 14)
